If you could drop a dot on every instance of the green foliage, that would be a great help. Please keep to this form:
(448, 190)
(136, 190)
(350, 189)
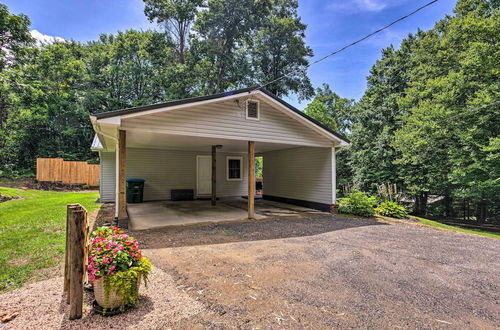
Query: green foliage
(259, 165)
(391, 209)
(14, 36)
(126, 283)
(428, 121)
(358, 203)
(32, 232)
(279, 46)
(207, 46)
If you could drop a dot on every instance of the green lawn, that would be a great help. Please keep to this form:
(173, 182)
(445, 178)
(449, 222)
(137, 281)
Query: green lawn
(32, 232)
(436, 224)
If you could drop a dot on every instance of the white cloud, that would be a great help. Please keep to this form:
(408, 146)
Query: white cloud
(362, 5)
(43, 39)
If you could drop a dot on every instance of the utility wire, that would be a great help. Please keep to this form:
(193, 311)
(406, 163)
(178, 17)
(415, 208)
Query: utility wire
(349, 45)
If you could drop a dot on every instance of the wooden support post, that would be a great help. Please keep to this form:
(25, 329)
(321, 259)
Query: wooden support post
(214, 175)
(66, 255)
(77, 218)
(122, 200)
(251, 179)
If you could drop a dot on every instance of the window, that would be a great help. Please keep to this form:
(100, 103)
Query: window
(253, 110)
(234, 168)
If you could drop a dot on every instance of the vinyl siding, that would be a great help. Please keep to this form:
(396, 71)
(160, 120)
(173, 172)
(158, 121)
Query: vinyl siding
(108, 176)
(228, 120)
(165, 170)
(303, 173)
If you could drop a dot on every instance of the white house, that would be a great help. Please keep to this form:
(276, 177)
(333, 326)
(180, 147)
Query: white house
(172, 146)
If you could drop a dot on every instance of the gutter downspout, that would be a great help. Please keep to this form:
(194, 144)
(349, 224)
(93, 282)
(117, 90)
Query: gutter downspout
(98, 130)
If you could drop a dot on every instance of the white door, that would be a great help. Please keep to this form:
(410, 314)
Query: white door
(203, 175)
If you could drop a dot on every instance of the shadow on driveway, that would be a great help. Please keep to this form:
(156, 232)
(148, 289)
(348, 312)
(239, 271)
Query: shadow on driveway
(304, 224)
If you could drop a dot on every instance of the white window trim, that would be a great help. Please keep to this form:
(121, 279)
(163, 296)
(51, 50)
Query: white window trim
(228, 158)
(258, 109)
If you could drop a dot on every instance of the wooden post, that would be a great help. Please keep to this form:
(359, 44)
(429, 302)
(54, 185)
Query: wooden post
(77, 218)
(214, 175)
(122, 206)
(251, 179)
(66, 256)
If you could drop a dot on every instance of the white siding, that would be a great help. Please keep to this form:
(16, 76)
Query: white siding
(303, 173)
(228, 120)
(164, 170)
(108, 176)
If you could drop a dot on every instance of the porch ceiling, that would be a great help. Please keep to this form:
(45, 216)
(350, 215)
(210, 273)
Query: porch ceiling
(149, 140)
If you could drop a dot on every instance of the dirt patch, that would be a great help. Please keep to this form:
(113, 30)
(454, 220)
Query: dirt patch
(5, 198)
(33, 184)
(103, 216)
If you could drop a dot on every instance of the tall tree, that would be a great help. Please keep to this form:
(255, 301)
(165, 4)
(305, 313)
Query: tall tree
(223, 32)
(377, 116)
(279, 48)
(14, 35)
(452, 122)
(177, 17)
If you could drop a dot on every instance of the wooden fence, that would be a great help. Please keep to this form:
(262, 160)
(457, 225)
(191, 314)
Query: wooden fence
(71, 172)
(75, 265)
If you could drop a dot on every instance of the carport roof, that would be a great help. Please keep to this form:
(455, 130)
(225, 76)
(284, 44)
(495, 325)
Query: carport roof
(115, 113)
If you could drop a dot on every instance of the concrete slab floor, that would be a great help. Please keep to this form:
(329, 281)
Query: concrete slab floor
(169, 213)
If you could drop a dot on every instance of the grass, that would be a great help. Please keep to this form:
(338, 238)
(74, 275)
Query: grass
(436, 224)
(32, 232)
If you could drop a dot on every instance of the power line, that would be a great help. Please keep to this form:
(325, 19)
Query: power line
(349, 45)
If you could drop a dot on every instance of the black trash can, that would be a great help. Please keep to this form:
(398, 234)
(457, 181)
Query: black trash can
(135, 190)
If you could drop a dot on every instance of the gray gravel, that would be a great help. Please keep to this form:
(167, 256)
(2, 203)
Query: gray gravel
(42, 306)
(343, 273)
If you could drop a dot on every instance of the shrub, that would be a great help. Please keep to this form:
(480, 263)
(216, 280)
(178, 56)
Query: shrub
(358, 203)
(391, 209)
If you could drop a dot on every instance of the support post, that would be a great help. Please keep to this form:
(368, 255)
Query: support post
(66, 257)
(214, 175)
(122, 201)
(251, 179)
(77, 218)
(334, 176)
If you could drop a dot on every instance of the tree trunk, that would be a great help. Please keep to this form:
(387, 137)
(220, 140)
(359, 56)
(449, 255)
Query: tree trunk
(481, 213)
(421, 203)
(448, 208)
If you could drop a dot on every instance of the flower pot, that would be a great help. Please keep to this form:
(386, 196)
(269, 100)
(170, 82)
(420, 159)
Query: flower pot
(114, 300)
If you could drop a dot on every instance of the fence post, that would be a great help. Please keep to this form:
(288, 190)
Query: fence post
(77, 220)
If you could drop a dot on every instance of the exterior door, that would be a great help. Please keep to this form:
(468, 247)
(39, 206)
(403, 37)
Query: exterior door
(203, 175)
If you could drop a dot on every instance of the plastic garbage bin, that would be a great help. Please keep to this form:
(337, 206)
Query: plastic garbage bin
(135, 190)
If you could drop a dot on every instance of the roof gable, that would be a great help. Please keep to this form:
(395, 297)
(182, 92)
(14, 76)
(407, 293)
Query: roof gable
(223, 97)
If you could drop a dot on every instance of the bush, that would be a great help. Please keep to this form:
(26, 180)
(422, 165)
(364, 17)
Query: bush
(392, 209)
(358, 203)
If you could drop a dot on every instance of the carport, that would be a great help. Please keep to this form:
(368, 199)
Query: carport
(207, 146)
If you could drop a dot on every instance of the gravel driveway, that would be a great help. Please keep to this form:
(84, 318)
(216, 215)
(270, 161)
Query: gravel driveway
(324, 271)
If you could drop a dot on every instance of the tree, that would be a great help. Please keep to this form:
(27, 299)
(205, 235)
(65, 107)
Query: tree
(377, 116)
(279, 48)
(177, 17)
(451, 121)
(334, 112)
(331, 110)
(223, 33)
(14, 35)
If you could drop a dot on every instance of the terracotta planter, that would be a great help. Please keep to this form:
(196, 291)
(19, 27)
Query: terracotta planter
(114, 299)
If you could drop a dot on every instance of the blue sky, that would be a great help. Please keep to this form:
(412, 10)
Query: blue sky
(331, 24)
